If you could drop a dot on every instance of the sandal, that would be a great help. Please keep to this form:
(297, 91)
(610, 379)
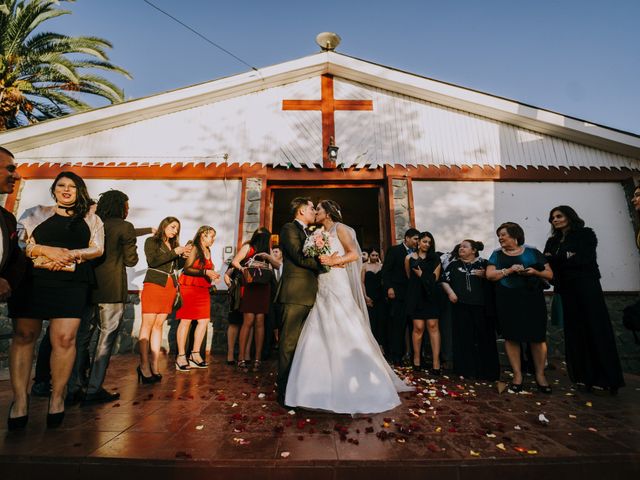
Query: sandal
(194, 364)
(256, 365)
(182, 368)
(242, 364)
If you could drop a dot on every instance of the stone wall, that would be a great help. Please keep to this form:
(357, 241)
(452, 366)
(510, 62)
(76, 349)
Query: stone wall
(401, 213)
(253, 195)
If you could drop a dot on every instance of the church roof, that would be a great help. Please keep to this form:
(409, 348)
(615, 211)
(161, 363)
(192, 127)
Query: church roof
(438, 108)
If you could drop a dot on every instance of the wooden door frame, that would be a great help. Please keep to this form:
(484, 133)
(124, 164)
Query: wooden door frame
(383, 200)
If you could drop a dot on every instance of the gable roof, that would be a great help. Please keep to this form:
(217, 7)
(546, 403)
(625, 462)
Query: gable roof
(357, 70)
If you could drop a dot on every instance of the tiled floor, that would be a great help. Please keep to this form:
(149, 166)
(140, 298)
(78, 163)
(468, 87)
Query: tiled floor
(222, 422)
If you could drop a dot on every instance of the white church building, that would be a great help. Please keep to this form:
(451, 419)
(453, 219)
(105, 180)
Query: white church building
(412, 151)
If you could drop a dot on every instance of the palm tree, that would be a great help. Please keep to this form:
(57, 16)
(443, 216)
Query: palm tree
(44, 75)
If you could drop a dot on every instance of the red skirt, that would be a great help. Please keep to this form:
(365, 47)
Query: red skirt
(196, 303)
(157, 299)
(255, 298)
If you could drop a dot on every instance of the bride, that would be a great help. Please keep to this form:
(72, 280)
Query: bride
(338, 365)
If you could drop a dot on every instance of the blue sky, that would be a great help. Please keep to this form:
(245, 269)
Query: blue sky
(576, 57)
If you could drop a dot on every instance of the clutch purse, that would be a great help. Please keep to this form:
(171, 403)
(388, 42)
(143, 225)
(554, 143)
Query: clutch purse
(47, 264)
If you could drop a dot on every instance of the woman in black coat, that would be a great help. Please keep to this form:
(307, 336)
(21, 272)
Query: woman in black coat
(590, 346)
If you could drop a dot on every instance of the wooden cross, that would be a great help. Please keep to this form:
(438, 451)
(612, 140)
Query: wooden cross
(327, 105)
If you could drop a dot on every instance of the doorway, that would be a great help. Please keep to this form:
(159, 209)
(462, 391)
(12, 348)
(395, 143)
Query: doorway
(362, 207)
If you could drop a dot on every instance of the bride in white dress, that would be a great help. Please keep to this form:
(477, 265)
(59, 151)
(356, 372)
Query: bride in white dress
(338, 365)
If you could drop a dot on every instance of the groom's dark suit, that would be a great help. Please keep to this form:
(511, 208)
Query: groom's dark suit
(298, 289)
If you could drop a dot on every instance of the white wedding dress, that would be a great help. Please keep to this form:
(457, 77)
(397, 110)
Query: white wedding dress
(338, 365)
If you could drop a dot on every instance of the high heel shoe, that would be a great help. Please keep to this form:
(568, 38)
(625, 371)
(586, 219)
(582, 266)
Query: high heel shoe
(544, 388)
(194, 364)
(515, 387)
(436, 372)
(182, 368)
(145, 380)
(417, 368)
(17, 423)
(54, 420)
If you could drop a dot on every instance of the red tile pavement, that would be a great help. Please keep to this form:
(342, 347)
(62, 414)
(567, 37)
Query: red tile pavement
(221, 422)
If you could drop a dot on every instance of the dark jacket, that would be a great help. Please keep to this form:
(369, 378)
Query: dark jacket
(393, 272)
(161, 262)
(13, 262)
(120, 251)
(573, 259)
(299, 283)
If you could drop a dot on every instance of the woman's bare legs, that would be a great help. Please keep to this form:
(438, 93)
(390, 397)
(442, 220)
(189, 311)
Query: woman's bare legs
(416, 339)
(434, 338)
(513, 353)
(155, 341)
(25, 333)
(62, 332)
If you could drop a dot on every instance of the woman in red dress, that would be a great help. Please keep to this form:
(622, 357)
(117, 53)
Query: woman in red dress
(255, 297)
(195, 281)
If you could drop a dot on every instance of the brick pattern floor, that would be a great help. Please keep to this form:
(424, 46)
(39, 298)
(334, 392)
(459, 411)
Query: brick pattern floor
(225, 420)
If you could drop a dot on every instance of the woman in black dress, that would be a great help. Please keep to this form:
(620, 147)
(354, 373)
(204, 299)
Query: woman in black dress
(374, 293)
(475, 354)
(59, 239)
(590, 345)
(423, 270)
(521, 274)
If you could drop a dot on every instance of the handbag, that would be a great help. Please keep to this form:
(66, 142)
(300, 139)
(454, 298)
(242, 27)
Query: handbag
(46, 263)
(177, 301)
(257, 272)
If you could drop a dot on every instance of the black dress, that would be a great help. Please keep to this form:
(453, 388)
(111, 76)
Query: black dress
(47, 294)
(475, 354)
(374, 290)
(590, 346)
(421, 301)
(520, 305)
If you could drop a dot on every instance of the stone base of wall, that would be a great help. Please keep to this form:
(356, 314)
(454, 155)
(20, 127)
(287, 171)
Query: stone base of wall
(629, 351)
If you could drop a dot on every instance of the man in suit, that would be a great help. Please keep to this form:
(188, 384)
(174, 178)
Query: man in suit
(110, 292)
(394, 281)
(298, 287)
(272, 319)
(12, 259)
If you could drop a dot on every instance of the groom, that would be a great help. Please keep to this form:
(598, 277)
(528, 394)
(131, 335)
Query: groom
(298, 286)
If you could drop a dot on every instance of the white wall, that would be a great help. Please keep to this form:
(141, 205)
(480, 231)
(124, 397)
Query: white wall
(453, 211)
(193, 202)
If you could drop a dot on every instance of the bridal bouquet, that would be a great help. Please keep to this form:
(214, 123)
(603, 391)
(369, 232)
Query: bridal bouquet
(316, 244)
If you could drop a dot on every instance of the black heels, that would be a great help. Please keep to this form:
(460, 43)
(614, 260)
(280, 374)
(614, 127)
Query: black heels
(54, 420)
(146, 380)
(17, 423)
(182, 368)
(544, 388)
(194, 364)
(516, 387)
